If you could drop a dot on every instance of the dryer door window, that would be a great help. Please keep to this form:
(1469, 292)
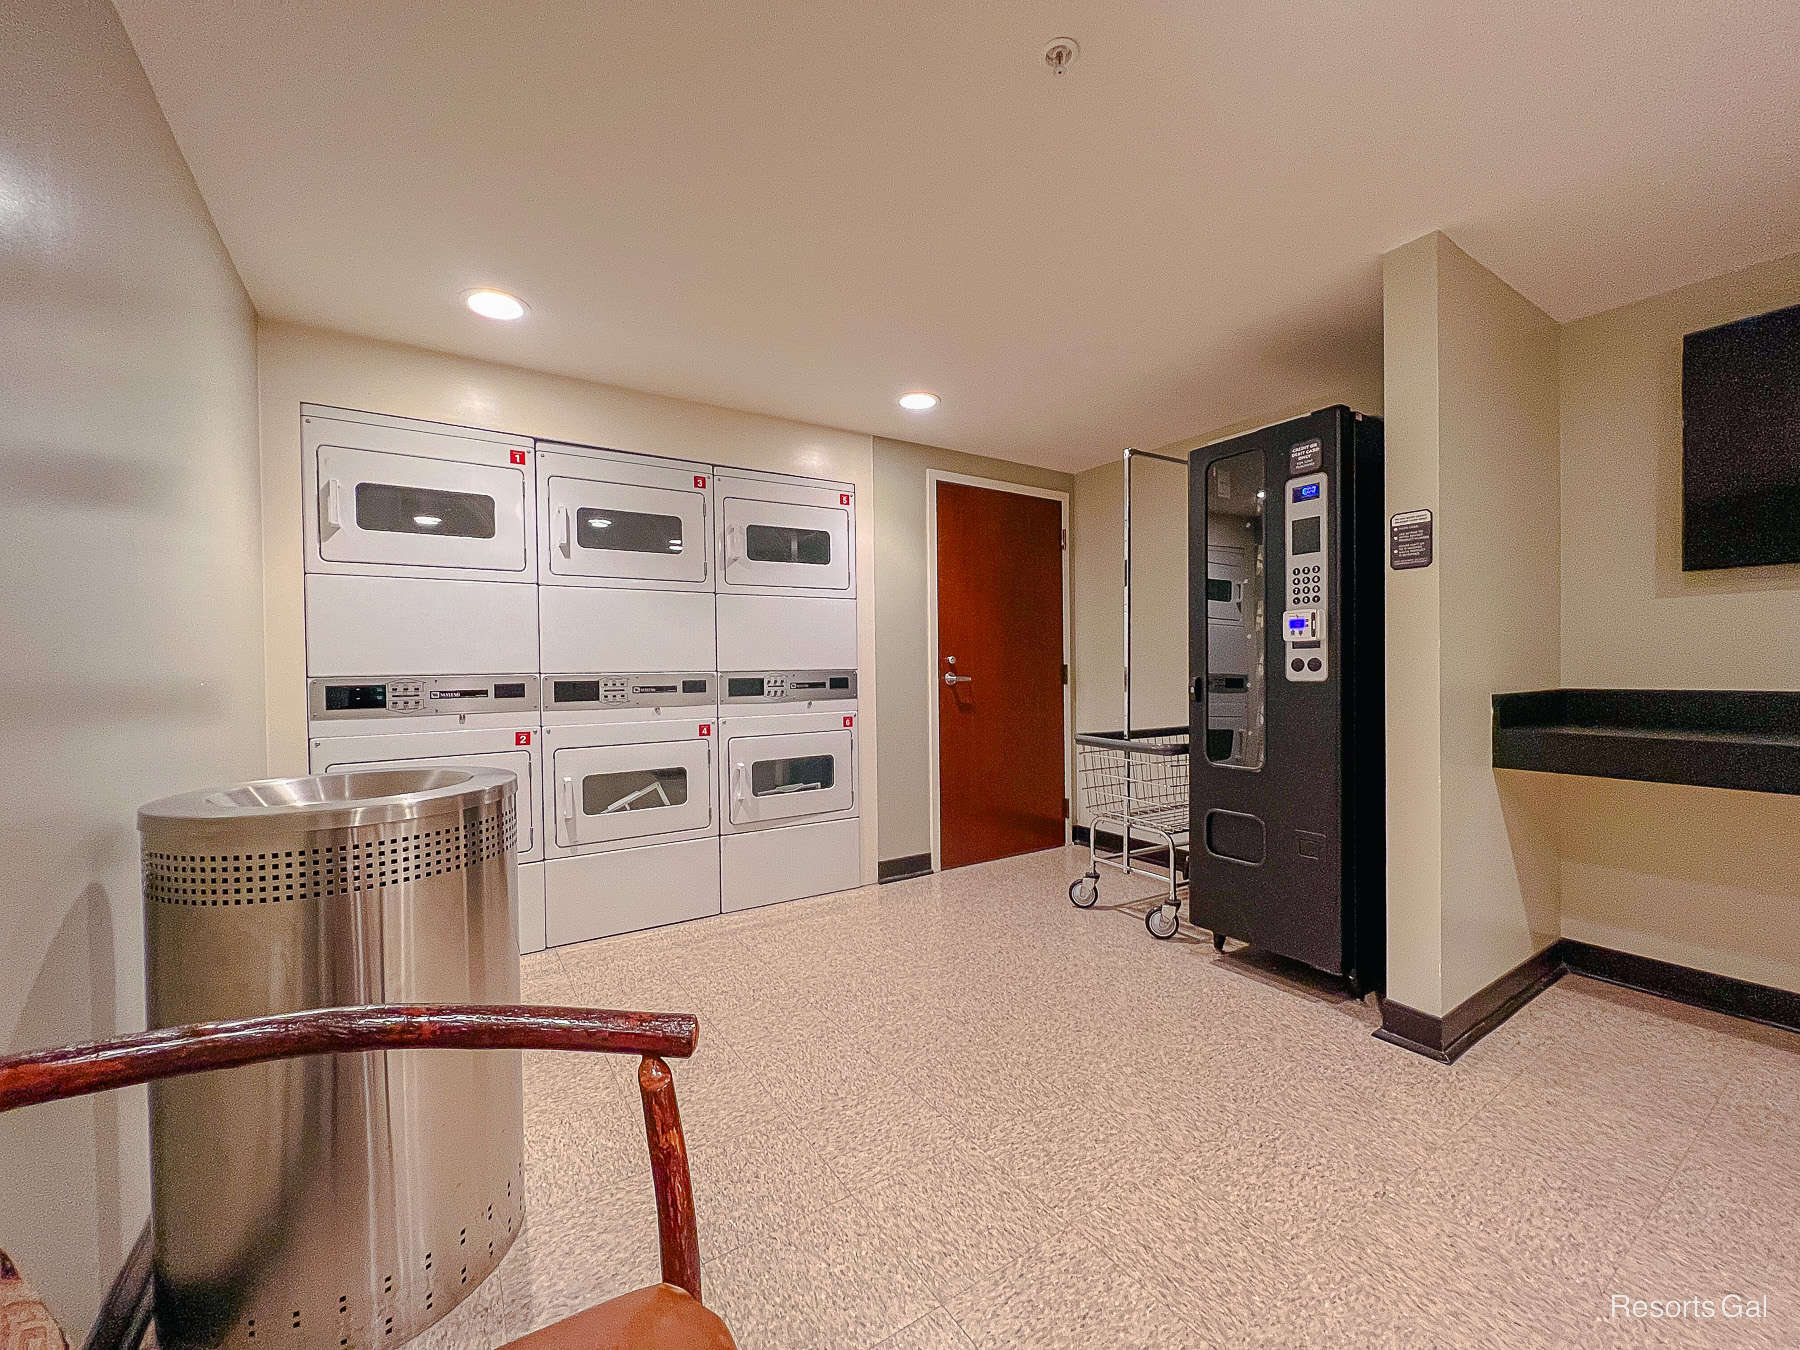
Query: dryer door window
(791, 777)
(409, 511)
(781, 544)
(398, 509)
(625, 531)
(608, 793)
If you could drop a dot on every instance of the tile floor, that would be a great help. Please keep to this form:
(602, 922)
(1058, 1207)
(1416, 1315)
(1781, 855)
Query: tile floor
(959, 1112)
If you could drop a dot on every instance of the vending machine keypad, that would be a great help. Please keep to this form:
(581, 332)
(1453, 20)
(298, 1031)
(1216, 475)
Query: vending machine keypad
(1306, 622)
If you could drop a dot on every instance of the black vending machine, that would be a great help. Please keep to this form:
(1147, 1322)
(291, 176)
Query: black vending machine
(1287, 716)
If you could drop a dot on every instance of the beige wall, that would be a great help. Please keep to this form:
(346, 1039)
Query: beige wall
(1415, 804)
(131, 592)
(1700, 876)
(311, 365)
(1472, 433)
(1159, 599)
(903, 639)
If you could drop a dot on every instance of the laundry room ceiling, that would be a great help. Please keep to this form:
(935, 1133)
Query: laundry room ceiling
(809, 208)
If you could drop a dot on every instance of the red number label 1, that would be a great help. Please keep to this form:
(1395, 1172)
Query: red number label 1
(518, 457)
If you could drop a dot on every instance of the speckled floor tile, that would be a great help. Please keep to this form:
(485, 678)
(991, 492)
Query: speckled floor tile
(1065, 1294)
(823, 1284)
(963, 1090)
(958, 1217)
(543, 980)
(937, 1330)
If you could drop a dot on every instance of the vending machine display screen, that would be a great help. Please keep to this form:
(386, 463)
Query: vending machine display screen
(1306, 535)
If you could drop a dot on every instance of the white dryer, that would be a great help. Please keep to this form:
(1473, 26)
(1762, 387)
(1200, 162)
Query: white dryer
(787, 786)
(395, 723)
(420, 546)
(388, 496)
(787, 571)
(630, 802)
(625, 561)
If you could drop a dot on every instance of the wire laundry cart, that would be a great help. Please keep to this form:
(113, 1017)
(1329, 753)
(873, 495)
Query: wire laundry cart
(1135, 784)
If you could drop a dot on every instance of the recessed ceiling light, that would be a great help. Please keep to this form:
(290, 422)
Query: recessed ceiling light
(495, 304)
(918, 401)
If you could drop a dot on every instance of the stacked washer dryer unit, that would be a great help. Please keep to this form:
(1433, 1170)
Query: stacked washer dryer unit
(421, 608)
(625, 572)
(788, 808)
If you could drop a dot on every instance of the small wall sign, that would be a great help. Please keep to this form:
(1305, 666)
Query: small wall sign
(1409, 540)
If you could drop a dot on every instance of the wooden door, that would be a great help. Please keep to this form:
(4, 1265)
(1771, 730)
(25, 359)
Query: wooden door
(1000, 725)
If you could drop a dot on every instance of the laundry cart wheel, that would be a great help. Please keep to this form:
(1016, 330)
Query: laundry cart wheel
(1083, 891)
(1162, 922)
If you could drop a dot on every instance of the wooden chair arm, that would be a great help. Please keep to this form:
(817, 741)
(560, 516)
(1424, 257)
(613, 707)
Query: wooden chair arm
(51, 1075)
(74, 1071)
(678, 1232)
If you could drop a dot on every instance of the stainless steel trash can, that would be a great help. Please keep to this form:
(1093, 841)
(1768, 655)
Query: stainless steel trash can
(350, 1200)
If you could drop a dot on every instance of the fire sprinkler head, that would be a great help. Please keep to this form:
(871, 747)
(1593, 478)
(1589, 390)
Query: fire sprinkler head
(1060, 54)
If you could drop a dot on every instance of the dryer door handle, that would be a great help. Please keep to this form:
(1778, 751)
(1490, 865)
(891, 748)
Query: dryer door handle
(565, 798)
(737, 782)
(331, 507)
(734, 550)
(566, 545)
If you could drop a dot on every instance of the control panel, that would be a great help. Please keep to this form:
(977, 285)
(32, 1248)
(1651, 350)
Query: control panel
(1304, 623)
(788, 686)
(636, 689)
(335, 700)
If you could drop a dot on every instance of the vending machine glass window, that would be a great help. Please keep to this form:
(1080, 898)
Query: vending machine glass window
(1235, 493)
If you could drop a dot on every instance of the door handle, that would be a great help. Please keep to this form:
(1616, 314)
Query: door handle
(331, 508)
(733, 551)
(565, 795)
(562, 521)
(952, 679)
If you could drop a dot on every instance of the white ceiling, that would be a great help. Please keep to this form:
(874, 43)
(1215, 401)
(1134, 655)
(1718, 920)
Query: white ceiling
(807, 208)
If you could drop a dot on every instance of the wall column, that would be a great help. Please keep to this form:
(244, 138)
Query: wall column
(1471, 411)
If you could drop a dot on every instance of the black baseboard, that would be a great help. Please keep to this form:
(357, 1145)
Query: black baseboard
(1698, 988)
(902, 869)
(1446, 1038)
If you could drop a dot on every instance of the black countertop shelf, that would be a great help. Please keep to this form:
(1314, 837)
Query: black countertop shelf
(1722, 738)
